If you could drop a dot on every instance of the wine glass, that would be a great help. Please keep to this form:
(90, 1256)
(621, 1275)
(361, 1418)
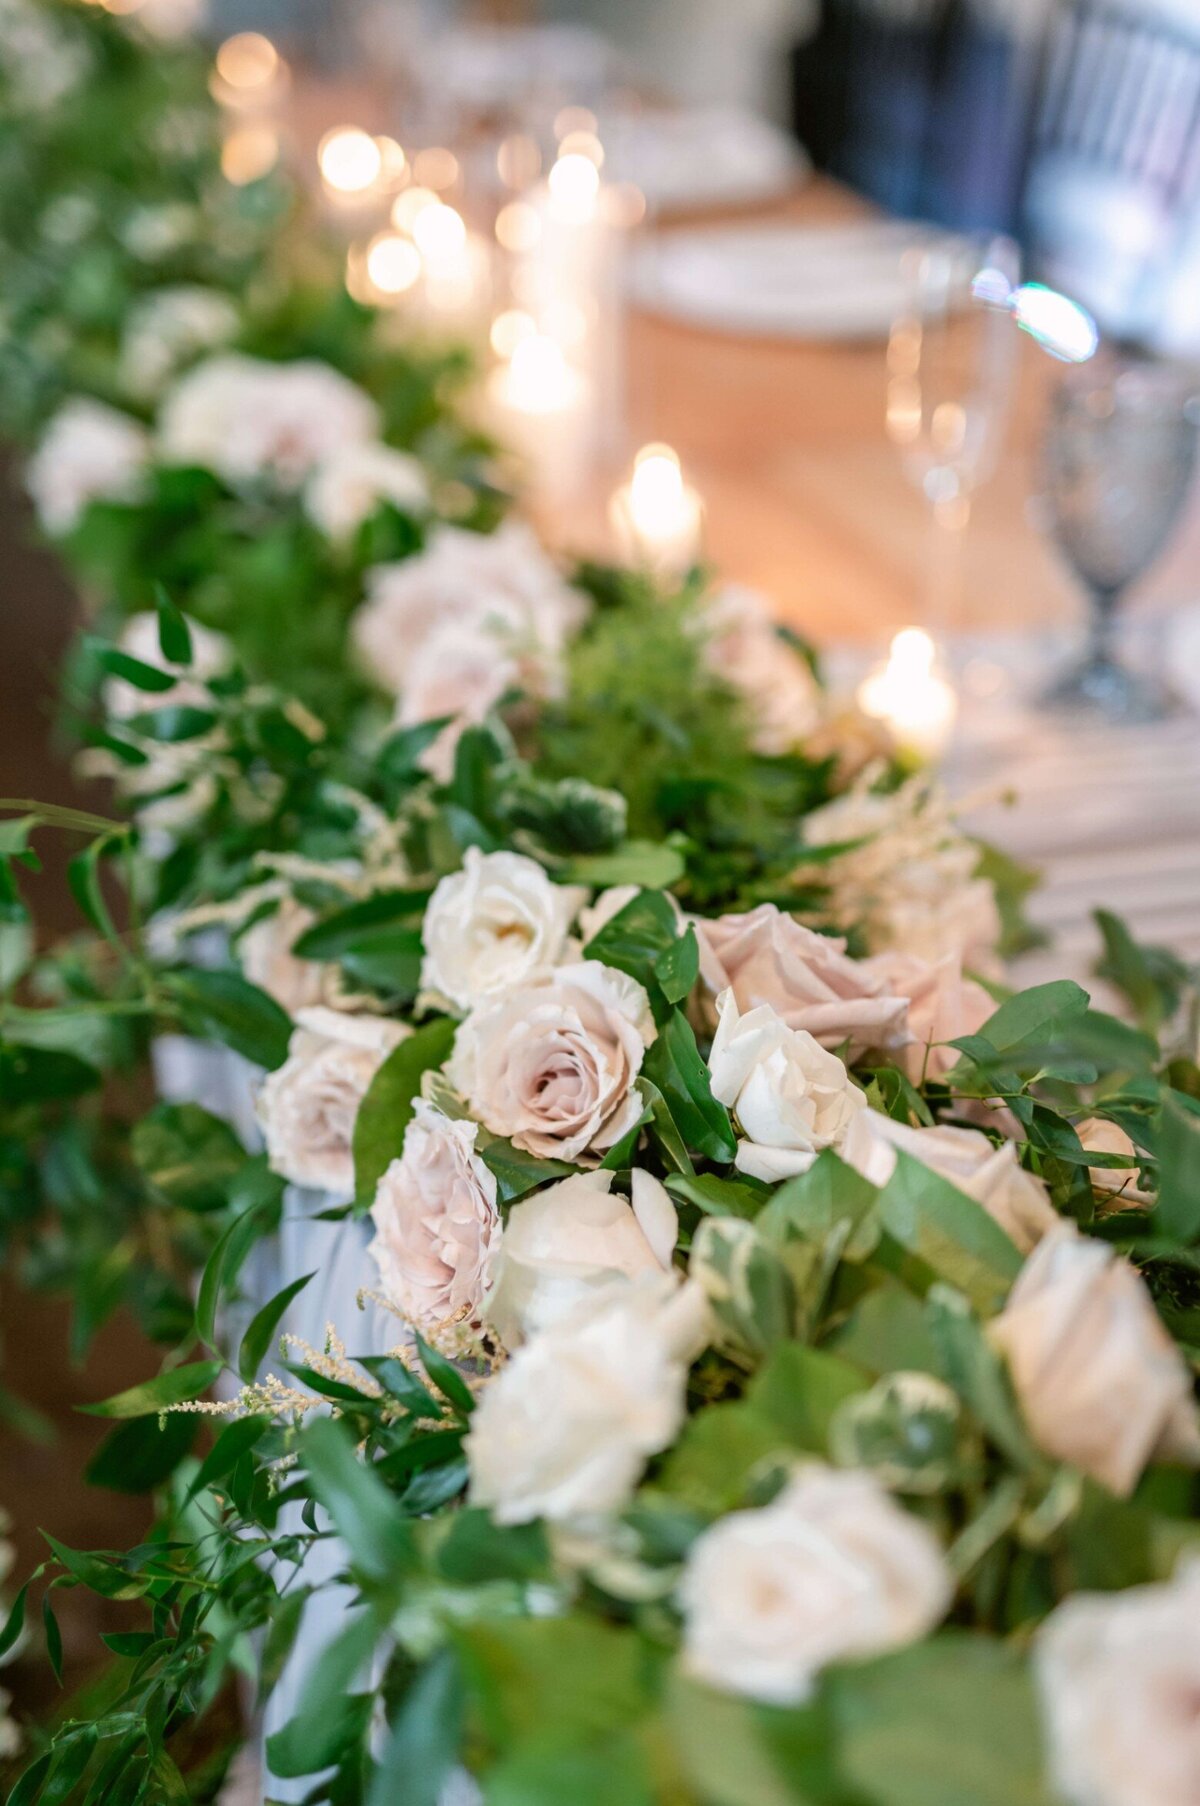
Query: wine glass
(1119, 453)
(951, 363)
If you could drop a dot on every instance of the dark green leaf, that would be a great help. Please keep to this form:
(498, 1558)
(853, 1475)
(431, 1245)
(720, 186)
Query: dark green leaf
(445, 1376)
(364, 1512)
(423, 1745)
(141, 1454)
(174, 636)
(388, 1106)
(179, 1385)
(518, 1173)
(188, 1155)
(261, 1332)
(235, 1440)
(225, 1007)
(673, 1063)
(330, 937)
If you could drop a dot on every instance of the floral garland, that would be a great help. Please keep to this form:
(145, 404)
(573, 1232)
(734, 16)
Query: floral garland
(778, 1340)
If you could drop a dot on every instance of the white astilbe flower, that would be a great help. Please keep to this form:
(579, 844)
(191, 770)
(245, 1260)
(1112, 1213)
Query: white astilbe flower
(911, 885)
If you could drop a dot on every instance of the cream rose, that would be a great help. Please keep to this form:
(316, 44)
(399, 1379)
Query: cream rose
(347, 487)
(493, 925)
(308, 1107)
(267, 960)
(499, 586)
(1119, 1678)
(747, 651)
(457, 672)
(249, 420)
(88, 453)
(563, 1243)
(567, 1425)
(768, 957)
(1100, 1381)
(942, 1006)
(437, 1229)
(993, 1176)
(791, 1097)
(552, 1062)
(833, 1569)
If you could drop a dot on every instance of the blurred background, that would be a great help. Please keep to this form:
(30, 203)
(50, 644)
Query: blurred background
(899, 303)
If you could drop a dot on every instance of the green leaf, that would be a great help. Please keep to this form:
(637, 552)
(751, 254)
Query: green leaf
(673, 1063)
(174, 636)
(476, 1550)
(560, 1677)
(103, 1574)
(362, 1509)
(14, 1624)
(636, 936)
(83, 877)
(612, 1770)
(227, 1258)
(54, 1649)
(329, 1717)
(34, 1075)
(134, 671)
(226, 1007)
(388, 1106)
(173, 724)
(235, 1440)
(518, 1173)
(736, 1753)
(179, 1385)
(1152, 978)
(422, 1748)
(141, 1454)
(952, 1234)
(678, 967)
(188, 1155)
(967, 1361)
(261, 1332)
(717, 1197)
(893, 1717)
(647, 863)
(1177, 1212)
(1034, 1016)
(386, 959)
(817, 1203)
(330, 937)
(445, 1376)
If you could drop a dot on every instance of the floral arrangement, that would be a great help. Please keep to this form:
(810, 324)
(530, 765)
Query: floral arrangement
(760, 1352)
(652, 1317)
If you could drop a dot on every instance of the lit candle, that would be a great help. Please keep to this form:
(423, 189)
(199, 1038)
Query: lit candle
(351, 164)
(910, 697)
(657, 517)
(540, 407)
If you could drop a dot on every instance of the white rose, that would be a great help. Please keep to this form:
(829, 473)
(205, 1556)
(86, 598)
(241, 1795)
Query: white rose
(492, 925)
(1119, 1677)
(1100, 1381)
(211, 654)
(166, 328)
(792, 1097)
(88, 453)
(501, 586)
(1102, 1137)
(993, 1176)
(266, 958)
(832, 1570)
(308, 1107)
(552, 1063)
(768, 957)
(942, 1007)
(457, 672)
(563, 1243)
(347, 487)
(567, 1425)
(249, 420)
(436, 1223)
(747, 652)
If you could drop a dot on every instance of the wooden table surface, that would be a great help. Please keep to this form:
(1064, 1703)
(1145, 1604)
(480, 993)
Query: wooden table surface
(805, 495)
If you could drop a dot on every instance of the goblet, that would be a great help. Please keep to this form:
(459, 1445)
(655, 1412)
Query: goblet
(951, 363)
(1119, 453)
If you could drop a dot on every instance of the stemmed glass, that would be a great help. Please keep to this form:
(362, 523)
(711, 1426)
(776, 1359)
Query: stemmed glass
(1119, 455)
(951, 362)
